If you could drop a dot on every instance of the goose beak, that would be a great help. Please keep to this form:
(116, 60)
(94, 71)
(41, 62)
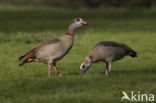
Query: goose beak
(84, 23)
(84, 70)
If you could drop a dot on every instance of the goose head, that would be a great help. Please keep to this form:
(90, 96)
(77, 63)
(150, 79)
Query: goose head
(77, 22)
(85, 65)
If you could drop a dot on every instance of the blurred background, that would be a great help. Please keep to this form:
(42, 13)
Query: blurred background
(25, 24)
(82, 3)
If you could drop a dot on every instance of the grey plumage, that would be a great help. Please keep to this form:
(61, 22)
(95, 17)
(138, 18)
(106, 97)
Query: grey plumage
(108, 52)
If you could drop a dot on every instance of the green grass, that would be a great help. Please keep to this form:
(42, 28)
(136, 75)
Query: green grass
(24, 29)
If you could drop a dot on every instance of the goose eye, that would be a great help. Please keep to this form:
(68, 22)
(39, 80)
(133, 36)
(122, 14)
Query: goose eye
(83, 66)
(77, 19)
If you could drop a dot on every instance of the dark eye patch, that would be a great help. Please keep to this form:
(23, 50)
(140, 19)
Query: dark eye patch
(77, 19)
(83, 66)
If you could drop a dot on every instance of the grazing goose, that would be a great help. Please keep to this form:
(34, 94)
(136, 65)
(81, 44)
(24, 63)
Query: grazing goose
(108, 52)
(53, 50)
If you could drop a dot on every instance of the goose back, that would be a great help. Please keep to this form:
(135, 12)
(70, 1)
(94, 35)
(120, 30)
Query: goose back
(110, 51)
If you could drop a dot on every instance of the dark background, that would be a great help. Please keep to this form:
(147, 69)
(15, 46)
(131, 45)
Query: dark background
(83, 3)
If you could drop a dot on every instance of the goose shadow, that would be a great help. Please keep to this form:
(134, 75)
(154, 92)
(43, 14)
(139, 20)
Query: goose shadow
(72, 73)
(149, 70)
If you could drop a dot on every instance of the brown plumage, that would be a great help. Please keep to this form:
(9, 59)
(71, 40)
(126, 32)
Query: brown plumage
(30, 56)
(53, 50)
(108, 52)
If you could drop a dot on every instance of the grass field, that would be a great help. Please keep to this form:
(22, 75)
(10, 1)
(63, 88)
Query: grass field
(25, 28)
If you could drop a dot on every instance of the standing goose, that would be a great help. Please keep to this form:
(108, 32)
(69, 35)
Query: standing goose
(108, 52)
(53, 50)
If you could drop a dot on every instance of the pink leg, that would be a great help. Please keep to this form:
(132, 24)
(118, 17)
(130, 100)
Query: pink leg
(106, 73)
(110, 66)
(49, 70)
(58, 73)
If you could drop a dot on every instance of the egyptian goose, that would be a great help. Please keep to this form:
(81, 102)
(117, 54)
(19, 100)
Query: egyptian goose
(108, 52)
(53, 50)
